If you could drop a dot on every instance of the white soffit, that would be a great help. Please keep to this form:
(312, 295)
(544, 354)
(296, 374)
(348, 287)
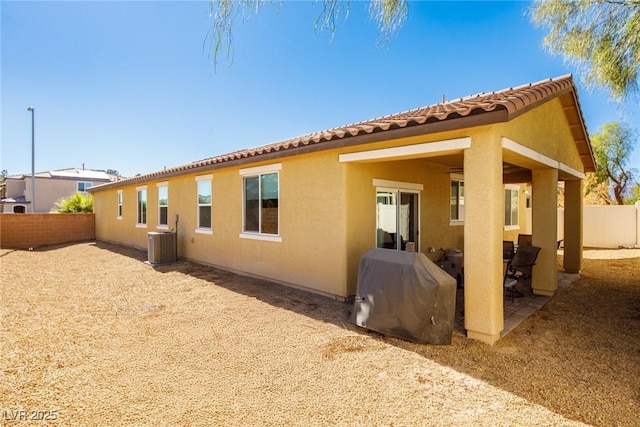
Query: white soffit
(427, 149)
(521, 150)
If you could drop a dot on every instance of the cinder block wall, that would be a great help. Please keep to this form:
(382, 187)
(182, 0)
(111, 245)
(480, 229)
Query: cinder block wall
(23, 231)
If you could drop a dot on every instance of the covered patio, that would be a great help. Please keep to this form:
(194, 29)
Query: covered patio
(533, 136)
(516, 310)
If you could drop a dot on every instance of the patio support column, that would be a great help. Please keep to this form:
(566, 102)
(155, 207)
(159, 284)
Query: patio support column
(544, 220)
(483, 224)
(573, 224)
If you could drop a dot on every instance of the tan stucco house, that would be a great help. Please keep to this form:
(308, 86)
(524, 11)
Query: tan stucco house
(50, 186)
(451, 175)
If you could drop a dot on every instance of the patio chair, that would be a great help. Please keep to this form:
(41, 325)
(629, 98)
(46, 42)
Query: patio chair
(523, 261)
(509, 283)
(525, 240)
(508, 250)
(452, 261)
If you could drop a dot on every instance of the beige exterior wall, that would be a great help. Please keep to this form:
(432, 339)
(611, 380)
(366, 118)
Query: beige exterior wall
(434, 226)
(15, 187)
(312, 214)
(327, 208)
(545, 130)
(48, 192)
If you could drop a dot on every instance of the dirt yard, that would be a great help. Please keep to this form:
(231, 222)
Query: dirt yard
(91, 335)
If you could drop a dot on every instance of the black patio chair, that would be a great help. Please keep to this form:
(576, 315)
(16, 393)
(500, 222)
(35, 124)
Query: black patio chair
(523, 261)
(509, 283)
(525, 240)
(508, 250)
(452, 261)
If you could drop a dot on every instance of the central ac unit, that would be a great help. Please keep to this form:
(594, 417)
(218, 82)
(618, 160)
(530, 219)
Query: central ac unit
(162, 247)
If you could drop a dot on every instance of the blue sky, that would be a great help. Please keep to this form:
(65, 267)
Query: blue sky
(132, 86)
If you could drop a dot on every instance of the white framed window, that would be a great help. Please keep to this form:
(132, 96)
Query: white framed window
(82, 186)
(119, 204)
(511, 207)
(456, 200)
(163, 205)
(142, 206)
(261, 202)
(204, 186)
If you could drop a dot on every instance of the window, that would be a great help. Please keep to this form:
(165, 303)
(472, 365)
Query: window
(82, 186)
(204, 203)
(261, 200)
(456, 205)
(142, 206)
(511, 204)
(163, 205)
(120, 204)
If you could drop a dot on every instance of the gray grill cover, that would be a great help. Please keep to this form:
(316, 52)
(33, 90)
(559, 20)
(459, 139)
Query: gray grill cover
(405, 295)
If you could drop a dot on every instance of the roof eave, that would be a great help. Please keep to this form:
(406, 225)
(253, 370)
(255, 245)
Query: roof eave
(467, 112)
(479, 119)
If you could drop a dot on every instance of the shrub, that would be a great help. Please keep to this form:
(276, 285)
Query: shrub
(77, 203)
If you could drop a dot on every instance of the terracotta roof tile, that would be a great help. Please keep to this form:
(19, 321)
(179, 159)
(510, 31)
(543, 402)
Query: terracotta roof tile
(514, 101)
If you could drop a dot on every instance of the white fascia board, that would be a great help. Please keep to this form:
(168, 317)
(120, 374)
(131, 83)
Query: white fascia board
(513, 146)
(528, 153)
(408, 151)
(571, 171)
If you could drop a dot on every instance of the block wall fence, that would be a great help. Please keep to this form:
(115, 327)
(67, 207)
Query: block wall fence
(23, 231)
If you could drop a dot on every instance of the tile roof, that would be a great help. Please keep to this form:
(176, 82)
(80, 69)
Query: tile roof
(512, 102)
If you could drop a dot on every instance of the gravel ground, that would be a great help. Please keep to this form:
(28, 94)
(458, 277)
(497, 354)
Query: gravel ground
(91, 335)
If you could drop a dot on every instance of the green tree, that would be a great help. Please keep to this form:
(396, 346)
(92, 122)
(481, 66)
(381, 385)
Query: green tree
(3, 188)
(76, 203)
(600, 37)
(596, 192)
(612, 149)
(635, 195)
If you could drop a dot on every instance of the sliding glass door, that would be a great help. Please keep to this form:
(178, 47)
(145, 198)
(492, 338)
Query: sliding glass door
(397, 219)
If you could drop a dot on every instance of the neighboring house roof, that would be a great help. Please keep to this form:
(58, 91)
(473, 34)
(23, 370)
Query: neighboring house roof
(19, 199)
(70, 173)
(88, 174)
(480, 109)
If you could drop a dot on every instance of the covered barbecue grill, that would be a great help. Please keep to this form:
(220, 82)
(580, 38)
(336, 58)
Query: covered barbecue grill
(405, 295)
